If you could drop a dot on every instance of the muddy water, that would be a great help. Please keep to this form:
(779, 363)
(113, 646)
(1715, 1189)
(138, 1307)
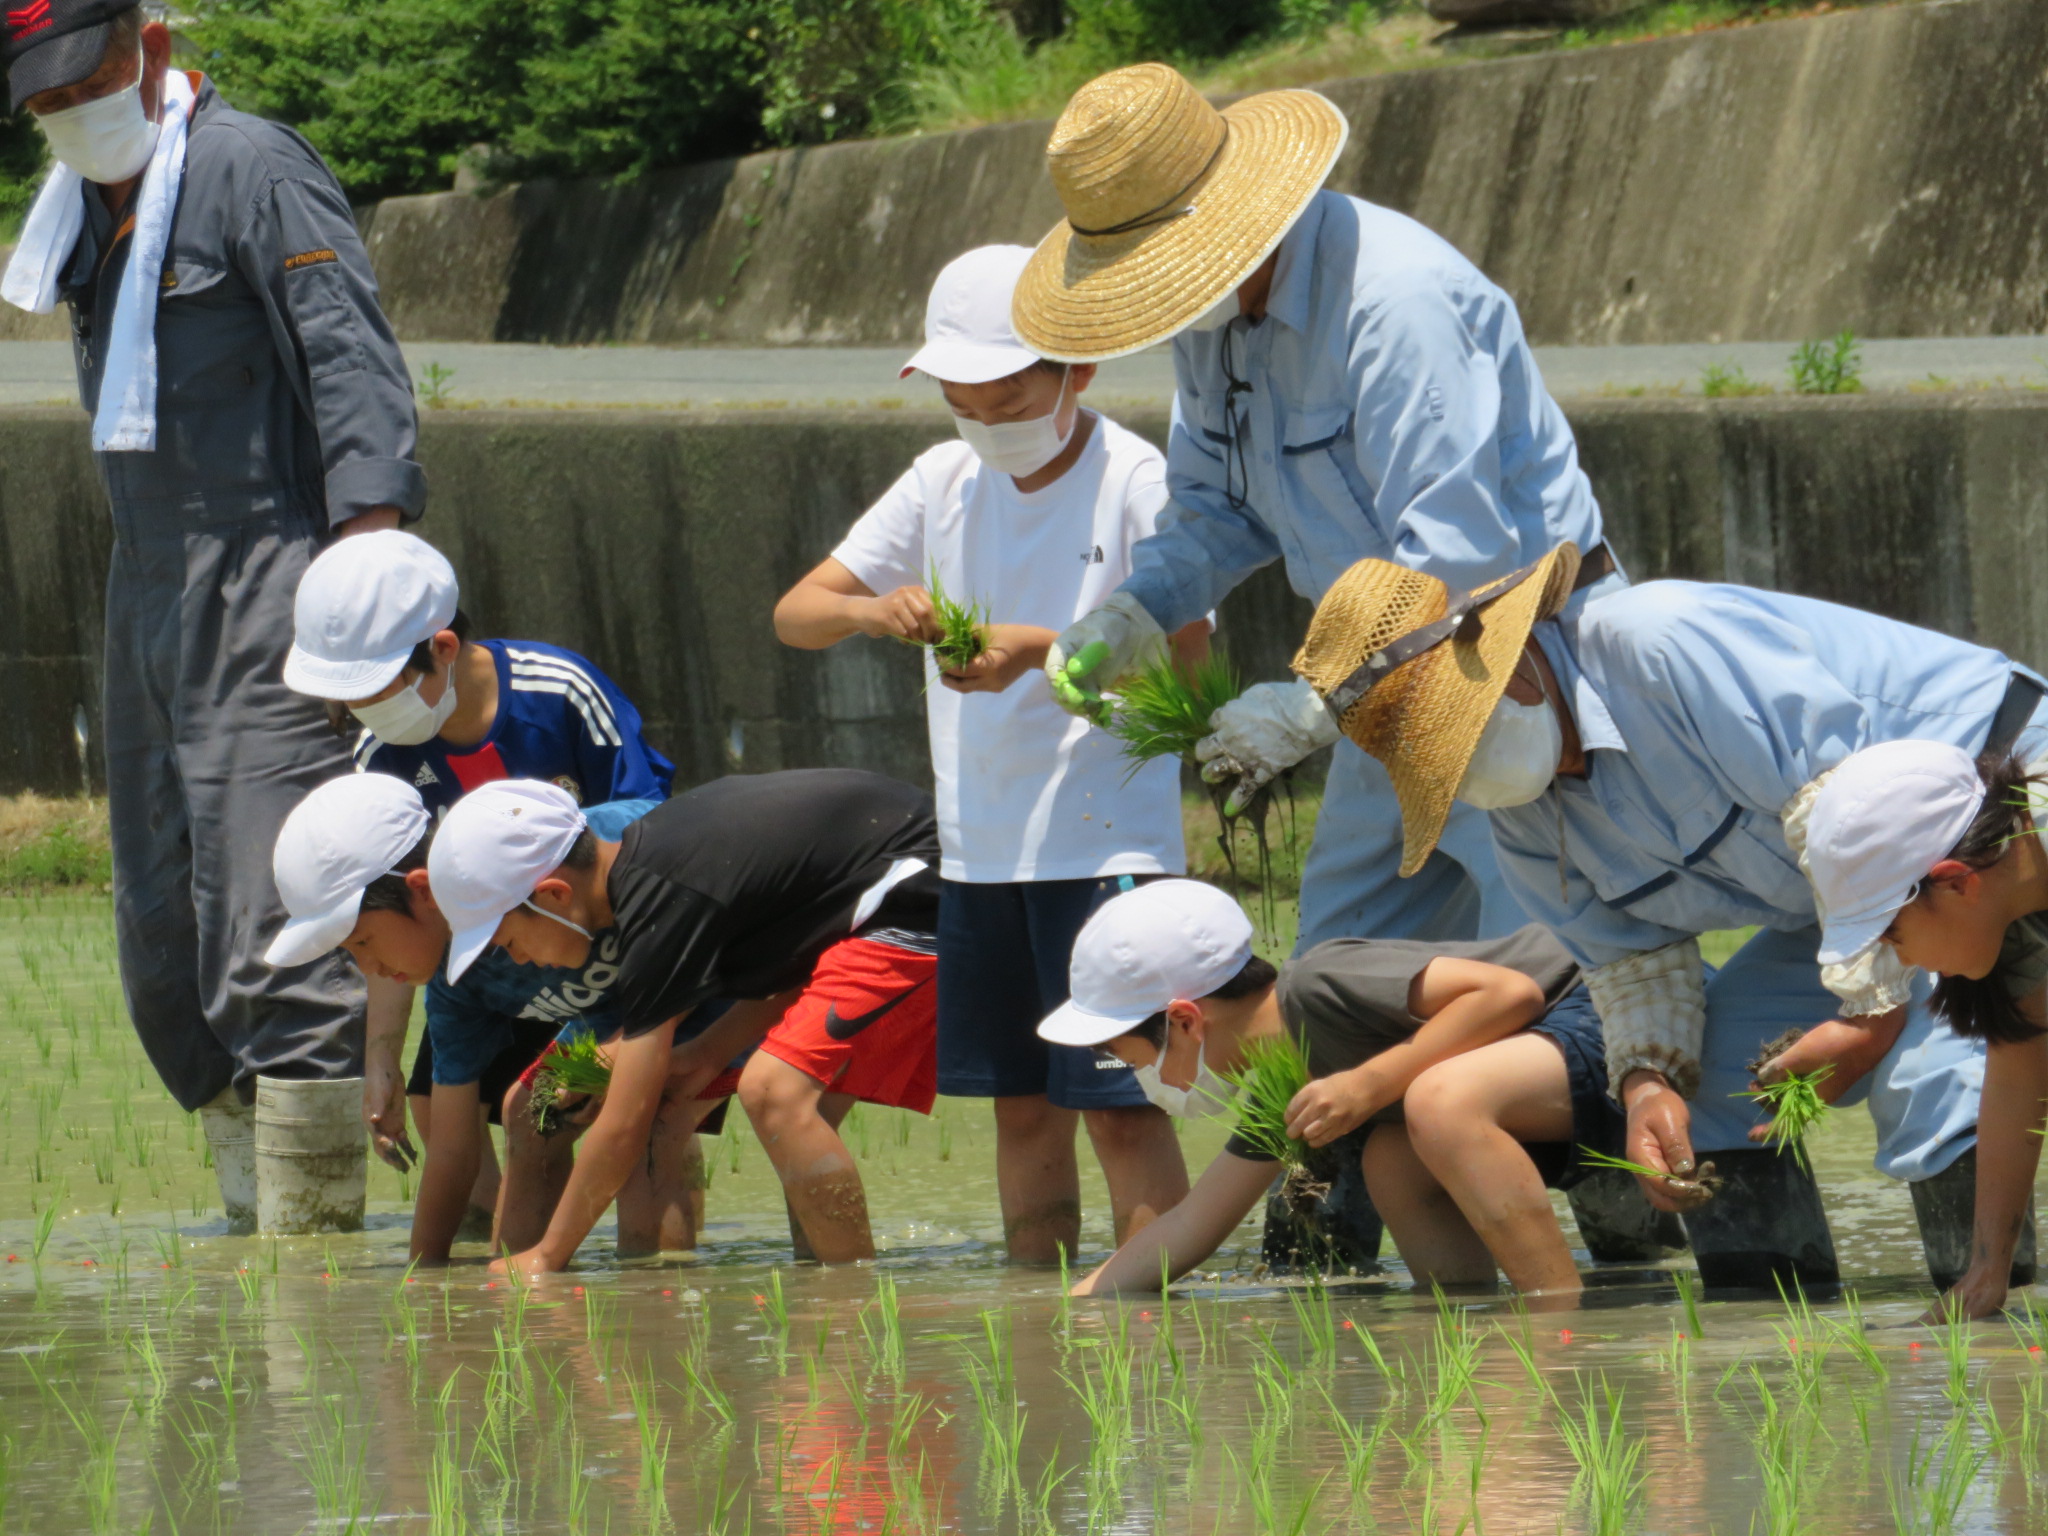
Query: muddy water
(157, 1374)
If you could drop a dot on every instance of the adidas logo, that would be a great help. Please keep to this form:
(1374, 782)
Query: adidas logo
(424, 777)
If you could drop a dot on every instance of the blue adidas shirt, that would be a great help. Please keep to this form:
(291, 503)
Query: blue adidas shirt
(467, 1019)
(559, 719)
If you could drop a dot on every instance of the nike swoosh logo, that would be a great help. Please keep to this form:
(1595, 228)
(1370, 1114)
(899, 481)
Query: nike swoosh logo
(845, 1029)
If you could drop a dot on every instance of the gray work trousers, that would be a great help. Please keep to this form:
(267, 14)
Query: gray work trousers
(207, 751)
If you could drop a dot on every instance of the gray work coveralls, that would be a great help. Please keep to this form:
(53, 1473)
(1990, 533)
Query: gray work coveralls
(283, 408)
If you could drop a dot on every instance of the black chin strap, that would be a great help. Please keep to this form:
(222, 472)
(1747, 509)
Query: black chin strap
(1461, 619)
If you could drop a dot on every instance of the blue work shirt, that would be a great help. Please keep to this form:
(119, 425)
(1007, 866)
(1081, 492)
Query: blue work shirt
(1702, 710)
(559, 719)
(468, 1018)
(1396, 413)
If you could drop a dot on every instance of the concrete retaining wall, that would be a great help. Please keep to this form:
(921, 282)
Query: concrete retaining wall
(656, 544)
(1880, 169)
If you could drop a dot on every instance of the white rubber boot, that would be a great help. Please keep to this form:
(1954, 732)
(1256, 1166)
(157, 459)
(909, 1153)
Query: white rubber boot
(312, 1155)
(230, 1127)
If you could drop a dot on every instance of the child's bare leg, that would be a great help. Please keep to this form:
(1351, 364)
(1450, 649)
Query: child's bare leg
(1038, 1181)
(1141, 1160)
(536, 1168)
(1467, 1120)
(818, 1173)
(483, 1195)
(1437, 1243)
(834, 1107)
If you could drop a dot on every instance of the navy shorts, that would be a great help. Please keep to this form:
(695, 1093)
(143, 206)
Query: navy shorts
(1003, 953)
(1597, 1121)
(525, 1039)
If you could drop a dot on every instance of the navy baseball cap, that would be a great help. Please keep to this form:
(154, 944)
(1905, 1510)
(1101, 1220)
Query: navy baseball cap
(49, 44)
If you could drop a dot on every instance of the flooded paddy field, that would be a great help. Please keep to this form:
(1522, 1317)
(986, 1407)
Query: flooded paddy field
(159, 1375)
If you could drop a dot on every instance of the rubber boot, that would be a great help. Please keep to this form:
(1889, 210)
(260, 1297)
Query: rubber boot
(230, 1127)
(312, 1155)
(1617, 1221)
(1765, 1228)
(1946, 1206)
(1331, 1226)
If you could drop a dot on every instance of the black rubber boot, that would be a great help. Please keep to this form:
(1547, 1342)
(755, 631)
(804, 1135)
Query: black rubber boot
(1334, 1229)
(1946, 1206)
(1618, 1223)
(1766, 1227)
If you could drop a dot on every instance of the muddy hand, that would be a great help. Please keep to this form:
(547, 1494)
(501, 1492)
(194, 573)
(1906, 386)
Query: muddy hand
(1660, 1137)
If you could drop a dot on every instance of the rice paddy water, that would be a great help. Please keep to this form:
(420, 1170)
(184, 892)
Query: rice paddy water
(159, 1375)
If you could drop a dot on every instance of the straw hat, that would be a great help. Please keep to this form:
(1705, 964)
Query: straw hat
(1170, 205)
(1422, 715)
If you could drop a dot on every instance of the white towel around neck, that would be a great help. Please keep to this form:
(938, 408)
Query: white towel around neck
(126, 419)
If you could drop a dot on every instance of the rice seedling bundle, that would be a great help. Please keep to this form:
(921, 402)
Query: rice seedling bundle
(569, 1069)
(963, 627)
(1796, 1109)
(1274, 1071)
(1705, 1182)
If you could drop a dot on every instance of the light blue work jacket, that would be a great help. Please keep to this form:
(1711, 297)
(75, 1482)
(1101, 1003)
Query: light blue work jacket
(1703, 709)
(1395, 413)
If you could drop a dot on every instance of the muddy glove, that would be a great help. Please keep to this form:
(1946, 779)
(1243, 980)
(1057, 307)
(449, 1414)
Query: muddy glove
(1264, 730)
(1098, 650)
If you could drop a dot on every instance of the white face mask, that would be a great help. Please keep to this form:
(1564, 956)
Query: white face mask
(1019, 447)
(1217, 315)
(405, 719)
(106, 140)
(1211, 1094)
(1516, 757)
(551, 917)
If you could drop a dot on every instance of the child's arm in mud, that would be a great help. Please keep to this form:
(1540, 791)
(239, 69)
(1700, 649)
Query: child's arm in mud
(454, 1153)
(1187, 1234)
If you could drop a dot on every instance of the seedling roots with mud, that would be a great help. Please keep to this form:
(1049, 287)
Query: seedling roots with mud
(569, 1070)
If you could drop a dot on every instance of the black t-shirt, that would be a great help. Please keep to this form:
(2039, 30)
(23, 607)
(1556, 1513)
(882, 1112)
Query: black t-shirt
(1346, 1000)
(735, 888)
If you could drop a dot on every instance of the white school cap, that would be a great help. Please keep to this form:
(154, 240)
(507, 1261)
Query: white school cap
(494, 846)
(362, 606)
(967, 335)
(345, 834)
(1884, 818)
(1151, 946)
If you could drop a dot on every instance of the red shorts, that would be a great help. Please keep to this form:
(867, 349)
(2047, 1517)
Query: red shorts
(865, 1024)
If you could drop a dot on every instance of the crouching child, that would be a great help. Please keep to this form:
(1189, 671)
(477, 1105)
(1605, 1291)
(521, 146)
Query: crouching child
(351, 866)
(1476, 1067)
(807, 897)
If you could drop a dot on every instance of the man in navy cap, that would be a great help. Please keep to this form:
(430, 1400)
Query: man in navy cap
(249, 404)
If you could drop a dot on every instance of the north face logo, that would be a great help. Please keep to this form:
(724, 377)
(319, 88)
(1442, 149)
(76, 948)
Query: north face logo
(1093, 557)
(425, 777)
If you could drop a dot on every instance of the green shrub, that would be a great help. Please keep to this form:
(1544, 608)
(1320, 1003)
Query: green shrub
(21, 166)
(1832, 366)
(61, 856)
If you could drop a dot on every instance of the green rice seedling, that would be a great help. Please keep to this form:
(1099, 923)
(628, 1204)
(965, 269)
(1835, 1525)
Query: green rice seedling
(705, 1392)
(1707, 1183)
(962, 627)
(1688, 1285)
(336, 1463)
(1781, 1443)
(903, 1422)
(1034, 1506)
(1361, 1447)
(1937, 1480)
(1853, 1334)
(1317, 1319)
(2029, 1323)
(1797, 1110)
(1678, 1361)
(46, 1225)
(570, 1071)
(774, 1304)
(1610, 1462)
(1273, 1072)
(1454, 1356)
(881, 1325)
(1164, 709)
(1393, 1373)
(1806, 1344)
(654, 1446)
(1517, 1341)
(142, 1344)
(1956, 1334)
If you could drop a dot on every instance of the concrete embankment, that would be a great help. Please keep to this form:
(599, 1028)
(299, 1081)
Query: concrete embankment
(657, 542)
(1879, 169)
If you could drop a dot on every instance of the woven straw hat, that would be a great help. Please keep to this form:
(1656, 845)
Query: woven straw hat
(1424, 717)
(1170, 204)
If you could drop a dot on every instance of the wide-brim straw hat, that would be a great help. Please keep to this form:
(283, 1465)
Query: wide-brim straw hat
(1423, 717)
(1170, 205)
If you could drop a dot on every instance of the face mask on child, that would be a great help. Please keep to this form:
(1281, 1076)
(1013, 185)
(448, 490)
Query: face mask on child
(1211, 1095)
(1019, 447)
(405, 719)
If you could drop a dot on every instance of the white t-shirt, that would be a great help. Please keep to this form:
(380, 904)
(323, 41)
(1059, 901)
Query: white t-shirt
(1025, 790)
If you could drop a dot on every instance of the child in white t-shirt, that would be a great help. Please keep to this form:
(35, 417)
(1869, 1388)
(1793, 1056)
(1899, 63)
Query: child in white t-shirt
(1033, 512)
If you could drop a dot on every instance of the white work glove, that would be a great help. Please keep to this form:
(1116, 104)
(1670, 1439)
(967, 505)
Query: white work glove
(1098, 650)
(1264, 730)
